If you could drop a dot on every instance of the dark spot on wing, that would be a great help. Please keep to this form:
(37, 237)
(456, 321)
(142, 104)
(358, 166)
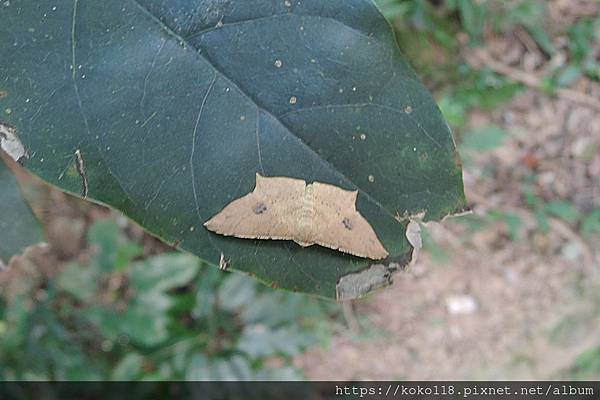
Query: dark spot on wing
(260, 208)
(347, 224)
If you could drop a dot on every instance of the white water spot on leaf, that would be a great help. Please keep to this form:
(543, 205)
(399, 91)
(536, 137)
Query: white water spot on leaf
(293, 100)
(11, 144)
(371, 178)
(408, 109)
(278, 63)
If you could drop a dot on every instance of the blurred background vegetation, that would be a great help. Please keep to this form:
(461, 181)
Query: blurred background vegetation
(163, 317)
(106, 301)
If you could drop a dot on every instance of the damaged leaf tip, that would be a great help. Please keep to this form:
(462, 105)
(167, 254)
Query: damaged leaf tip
(11, 144)
(354, 286)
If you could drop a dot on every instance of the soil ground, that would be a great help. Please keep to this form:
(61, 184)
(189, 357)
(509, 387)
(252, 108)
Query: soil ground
(505, 301)
(497, 308)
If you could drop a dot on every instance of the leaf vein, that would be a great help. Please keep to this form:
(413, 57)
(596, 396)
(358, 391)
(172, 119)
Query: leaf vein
(323, 161)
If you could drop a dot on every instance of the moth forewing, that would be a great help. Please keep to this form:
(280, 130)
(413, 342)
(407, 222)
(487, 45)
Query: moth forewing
(283, 208)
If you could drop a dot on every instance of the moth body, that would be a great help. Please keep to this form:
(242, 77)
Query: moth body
(282, 208)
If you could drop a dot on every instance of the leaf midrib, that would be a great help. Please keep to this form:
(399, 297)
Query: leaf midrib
(249, 97)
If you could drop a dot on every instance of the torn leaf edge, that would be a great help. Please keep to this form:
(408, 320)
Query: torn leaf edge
(385, 277)
(11, 144)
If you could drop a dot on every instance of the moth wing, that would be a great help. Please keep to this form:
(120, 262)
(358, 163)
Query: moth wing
(265, 213)
(339, 226)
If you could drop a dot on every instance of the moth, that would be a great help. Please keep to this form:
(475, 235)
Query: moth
(283, 208)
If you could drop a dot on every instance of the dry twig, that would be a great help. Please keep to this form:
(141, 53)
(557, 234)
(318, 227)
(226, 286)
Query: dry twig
(480, 59)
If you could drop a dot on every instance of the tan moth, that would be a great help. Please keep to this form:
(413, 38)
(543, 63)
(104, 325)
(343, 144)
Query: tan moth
(283, 208)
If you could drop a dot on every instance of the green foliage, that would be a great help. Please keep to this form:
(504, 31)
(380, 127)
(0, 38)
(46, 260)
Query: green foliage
(563, 210)
(484, 90)
(114, 253)
(591, 223)
(429, 35)
(485, 139)
(472, 15)
(512, 221)
(587, 222)
(582, 38)
(587, 365)
(165, 317)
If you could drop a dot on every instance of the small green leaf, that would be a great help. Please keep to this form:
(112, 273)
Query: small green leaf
(164, 272)
(114, 253)
(548, 85)
(454, 111)
(542, 220)
(591, 224)
(206, 292)
(129, 368)
(472, 14)
(126, 252)
(541, 37)
(568, 75)
(198, 368)
(563, 210)
(105, 235)
(258, 341)
(513, 223)
(586, 365)
(582, 39)
(235, 368)
(79, 281)
(485, 139)
(235, 292)
(144, 322)
(392, 9)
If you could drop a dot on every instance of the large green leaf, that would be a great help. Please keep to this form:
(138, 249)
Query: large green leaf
(19, 228)
(173, 106)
